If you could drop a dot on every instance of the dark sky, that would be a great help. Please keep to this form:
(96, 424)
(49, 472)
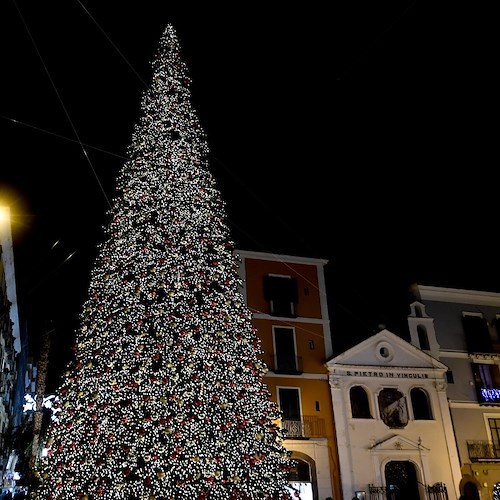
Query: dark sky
(362, 134)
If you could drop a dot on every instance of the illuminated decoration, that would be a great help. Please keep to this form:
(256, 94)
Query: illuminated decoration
(165, 397)
(303, 491)
(490, 394)
(48, 402)
(496, 491)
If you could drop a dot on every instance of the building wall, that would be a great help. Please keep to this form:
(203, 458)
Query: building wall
(10, 344)
(309, 340)
(309, 303)
(480, 464)
(366, 445)
(463, 387)
(448, 322)
(311, 327)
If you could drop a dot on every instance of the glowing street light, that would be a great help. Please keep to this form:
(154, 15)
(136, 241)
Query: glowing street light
(4, 214)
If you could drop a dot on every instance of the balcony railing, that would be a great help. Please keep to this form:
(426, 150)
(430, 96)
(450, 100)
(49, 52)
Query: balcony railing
(437, 491)
(290, 365)
(308, 426)
(483, 451)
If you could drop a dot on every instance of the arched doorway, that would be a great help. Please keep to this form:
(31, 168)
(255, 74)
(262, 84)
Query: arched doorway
(401, 481)
(302, 477)
(470, 491)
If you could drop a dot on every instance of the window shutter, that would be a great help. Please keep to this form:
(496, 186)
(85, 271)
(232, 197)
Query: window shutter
(282, 288)
(477, 334)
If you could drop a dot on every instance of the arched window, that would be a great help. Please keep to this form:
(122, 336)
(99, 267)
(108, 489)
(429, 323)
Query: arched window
(418, 312)
(420, 404)
(360, 406)
(423, 338)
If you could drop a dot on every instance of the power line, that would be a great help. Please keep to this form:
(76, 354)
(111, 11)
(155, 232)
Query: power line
(45, 131)
(61, 102)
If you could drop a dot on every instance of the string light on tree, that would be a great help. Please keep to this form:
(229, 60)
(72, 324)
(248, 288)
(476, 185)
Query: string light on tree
(165, 396)
(496, 491)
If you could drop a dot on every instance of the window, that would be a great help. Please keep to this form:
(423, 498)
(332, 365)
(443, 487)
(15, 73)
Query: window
(420, 404)
(289, 400)
(496, 323)
(423, 339)
(281, 293)
(494, 424)
(291, 420)
(384, 352)
(393, 409)
(285, 356)
(360, 406)
(487, 379)
(477, 334)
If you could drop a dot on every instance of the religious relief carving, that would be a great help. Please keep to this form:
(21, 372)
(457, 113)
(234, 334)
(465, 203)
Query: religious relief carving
(335, 382)
(441, 385)
(393, 408)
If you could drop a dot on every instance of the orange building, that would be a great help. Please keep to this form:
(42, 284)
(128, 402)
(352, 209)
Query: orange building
(287, 297)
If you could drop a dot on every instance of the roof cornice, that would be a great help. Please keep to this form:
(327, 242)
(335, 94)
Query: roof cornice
(459, 296)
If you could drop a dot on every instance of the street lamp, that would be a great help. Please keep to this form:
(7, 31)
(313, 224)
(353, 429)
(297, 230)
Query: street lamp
(4, 214)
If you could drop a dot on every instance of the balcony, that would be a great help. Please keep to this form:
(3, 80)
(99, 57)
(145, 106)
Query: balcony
(483, 451)
(286, 365)
(306, 427)
(437, 491)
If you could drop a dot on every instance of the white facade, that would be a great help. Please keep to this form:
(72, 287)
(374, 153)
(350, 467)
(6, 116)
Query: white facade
(392, 433)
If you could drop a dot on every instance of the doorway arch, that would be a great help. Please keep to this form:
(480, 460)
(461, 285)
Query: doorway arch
(470, 491)
(401, 480)
(303, 475)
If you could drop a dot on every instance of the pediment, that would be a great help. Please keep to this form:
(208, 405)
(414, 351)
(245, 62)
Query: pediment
(398, 443)
(386, 349)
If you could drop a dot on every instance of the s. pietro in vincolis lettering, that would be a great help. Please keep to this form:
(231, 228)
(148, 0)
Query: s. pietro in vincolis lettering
(374, 373)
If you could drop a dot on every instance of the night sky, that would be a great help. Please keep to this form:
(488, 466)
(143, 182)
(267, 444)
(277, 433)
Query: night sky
(362, 134)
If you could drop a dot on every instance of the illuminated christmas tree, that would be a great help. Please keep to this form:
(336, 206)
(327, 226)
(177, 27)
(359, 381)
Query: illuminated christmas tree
(496, 492)
(165, 396)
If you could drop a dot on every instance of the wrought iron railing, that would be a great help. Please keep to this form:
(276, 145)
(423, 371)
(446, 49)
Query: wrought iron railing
(308, 426)
(483, 451)
(436, 491)
(291, 365)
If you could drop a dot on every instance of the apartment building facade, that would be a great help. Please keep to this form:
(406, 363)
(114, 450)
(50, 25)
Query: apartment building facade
(461, 328)
(287, 297)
